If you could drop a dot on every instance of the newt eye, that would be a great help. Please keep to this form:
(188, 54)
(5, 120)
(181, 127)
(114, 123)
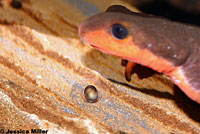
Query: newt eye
(119, 31)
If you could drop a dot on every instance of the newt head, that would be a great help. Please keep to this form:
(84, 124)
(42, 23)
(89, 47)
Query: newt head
(105, 33)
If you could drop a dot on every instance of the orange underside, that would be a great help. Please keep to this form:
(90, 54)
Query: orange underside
(176, 74)
(181, 81)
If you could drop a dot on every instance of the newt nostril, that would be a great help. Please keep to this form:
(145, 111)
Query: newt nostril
(82, 30)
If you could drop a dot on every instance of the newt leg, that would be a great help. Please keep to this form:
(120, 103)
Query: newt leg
(124, 62)
(128, 70)
(141, 71)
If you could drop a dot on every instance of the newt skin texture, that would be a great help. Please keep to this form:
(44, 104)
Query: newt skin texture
(165, 46)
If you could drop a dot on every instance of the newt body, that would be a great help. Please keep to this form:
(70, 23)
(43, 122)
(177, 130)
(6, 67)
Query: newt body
(165, 46)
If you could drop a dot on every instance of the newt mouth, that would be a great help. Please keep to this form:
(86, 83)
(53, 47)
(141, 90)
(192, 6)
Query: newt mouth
(101, 49)
(95, 47)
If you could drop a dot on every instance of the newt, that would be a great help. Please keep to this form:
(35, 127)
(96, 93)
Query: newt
(168, 47)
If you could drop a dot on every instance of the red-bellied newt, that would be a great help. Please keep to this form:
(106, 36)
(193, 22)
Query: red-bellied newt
(168, 47)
